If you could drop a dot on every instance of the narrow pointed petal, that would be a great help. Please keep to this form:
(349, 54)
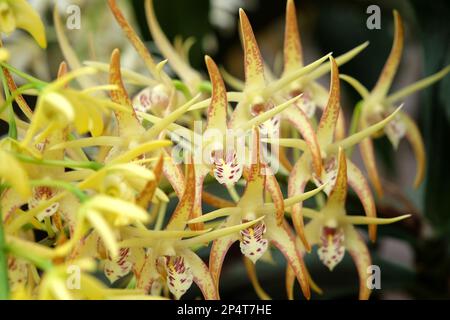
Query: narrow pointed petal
(28, 20)
(419, 85)
(251, 272)
(128, 123)
(253, 63)
(342, 59)
(298, 178)
(202, 275)
(339, 192)
(223, 212)
(368, 156)
(415, 139)
(301, 122)
(364, 133)
(358, 86)
(184, 208)
(285, 242)
(277, 196)
(221, 232)
(146, 195)
(135, 41)
(173, 173)
(183, 69)
(217, 111)
(293, 57)
(361, 256)
(390, 68)
(327, 124)
(369, 220)
(197, 209)
(359, 184)
(219, 250)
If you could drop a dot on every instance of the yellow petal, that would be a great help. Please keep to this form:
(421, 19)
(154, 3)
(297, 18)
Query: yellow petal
(184, 208)
(359, 184)
(390, 68)
(28, 20)
(217, 111)
(253, 63)
(293, 56)
(202, 275)
(327, 124)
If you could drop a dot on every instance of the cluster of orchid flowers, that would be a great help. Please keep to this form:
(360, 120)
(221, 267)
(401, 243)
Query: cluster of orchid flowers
(87, 174)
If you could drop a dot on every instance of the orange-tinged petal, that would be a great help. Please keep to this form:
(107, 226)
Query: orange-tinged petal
(253, 63)
(216, 201)
(390, 68)
(339, 192)
(415, 139)
(146, 195)
(285, 242)
(359, 184)
(301, 122)
(173, 173)
(197, 209)
(128, 122)
(275, 192)
(327, 124)
(293, 57)
(184, 208)
(202, 275)
(219, 250)
(368, 156)
(298, 178)
(23, 105)
(217, 111)
(135, 41)
(361, 256)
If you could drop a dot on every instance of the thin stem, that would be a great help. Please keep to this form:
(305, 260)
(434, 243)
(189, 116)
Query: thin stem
(4, 282)
(39, 83)
(93, 165)
(12, 128)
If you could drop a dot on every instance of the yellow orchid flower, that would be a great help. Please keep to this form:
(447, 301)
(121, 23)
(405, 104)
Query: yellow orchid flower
(254, 241)
(378, 103)
(19, 14)
(328, 147)
(334, 232)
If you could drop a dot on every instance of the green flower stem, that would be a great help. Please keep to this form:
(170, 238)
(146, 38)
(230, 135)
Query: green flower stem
(9, 100)
(354, 124)
(205, 87)
(4, 282)
(38, 83)
(61, 184)
(180, 86)
(60, 163)
(12, 127)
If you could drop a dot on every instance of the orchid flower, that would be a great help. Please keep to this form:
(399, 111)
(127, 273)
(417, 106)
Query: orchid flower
(254, 241)
(334, 232)
(302, 171)
(377, 104)
(156, 256)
